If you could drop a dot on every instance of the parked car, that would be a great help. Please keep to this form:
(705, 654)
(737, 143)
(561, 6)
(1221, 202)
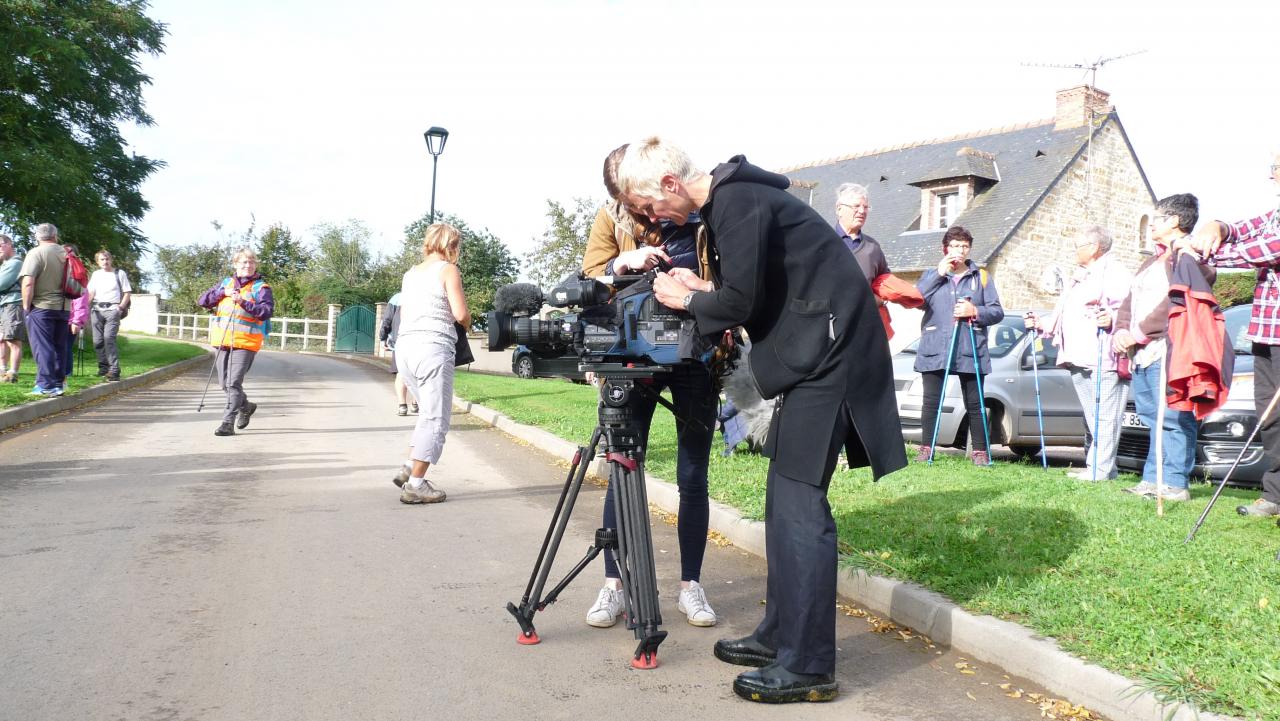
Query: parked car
(1223, 433)
(527, 363)
(1009, 394)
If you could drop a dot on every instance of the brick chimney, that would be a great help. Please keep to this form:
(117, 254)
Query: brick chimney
(1075, 103)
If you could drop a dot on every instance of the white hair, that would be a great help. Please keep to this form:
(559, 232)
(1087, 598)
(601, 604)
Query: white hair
(1098, 234)
(46, 232)
(647, 161)
(849, 191)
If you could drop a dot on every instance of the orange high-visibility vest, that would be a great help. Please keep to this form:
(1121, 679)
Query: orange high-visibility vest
(247, 332)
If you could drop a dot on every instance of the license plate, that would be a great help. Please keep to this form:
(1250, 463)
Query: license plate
(1132, 420)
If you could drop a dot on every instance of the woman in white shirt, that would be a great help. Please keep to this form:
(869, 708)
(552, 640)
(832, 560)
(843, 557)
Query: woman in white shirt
(431, 301)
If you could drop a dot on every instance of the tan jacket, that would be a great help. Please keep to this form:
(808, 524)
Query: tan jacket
(614, 233)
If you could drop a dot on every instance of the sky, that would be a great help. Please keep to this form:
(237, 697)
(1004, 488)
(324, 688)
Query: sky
(305, 112)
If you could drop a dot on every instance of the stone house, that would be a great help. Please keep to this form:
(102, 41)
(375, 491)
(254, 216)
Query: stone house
(1023, 191)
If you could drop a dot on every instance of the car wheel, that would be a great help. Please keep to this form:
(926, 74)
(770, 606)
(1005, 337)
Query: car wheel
(1025, 451)
(524, 367)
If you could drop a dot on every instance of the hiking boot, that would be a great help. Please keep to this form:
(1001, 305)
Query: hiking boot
(10, 377)
(102, 372)
(242, 418)
(607, 608)
(1171, 494)
(1145, 488)
(1260, 507)
(113, 376)
(402, 477)
(426, 494)
(693, 604)
(980, 458)
(922, 455)
(402, 410)
(226, 429)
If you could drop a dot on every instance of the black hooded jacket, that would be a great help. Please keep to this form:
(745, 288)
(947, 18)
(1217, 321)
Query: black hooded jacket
(784, 275)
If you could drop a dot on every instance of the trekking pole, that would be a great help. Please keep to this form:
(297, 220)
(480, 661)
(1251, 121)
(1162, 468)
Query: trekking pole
(1097, 402)
(222, 345)
(1035, 376)
(982, 401)
(1159, 431)
(942, 395)
(1222, 484)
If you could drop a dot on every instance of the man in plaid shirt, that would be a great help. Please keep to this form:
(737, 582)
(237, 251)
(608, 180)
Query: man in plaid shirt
(1255, 243)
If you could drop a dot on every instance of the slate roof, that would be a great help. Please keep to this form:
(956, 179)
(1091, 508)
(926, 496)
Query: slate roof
(1027, 159)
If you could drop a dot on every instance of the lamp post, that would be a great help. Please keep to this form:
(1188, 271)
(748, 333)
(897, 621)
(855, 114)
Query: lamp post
(436, 138)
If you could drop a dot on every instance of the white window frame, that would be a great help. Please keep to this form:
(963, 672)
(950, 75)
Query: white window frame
(941, 196)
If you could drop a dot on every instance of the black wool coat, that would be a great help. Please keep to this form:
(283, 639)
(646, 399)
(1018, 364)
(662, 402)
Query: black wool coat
(784, 275)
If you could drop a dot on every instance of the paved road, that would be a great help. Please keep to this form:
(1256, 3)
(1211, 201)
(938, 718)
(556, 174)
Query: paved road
(149, 570)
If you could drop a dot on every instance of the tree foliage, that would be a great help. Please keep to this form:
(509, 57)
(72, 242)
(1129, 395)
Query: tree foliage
(69, 76)
(563, 243)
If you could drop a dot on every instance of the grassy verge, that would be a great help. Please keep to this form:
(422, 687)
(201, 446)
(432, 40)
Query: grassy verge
(137, 355)
(1081, 562)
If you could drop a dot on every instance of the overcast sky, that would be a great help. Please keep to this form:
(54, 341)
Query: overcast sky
(311, 111)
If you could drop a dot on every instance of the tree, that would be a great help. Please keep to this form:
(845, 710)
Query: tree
(283, 262)
(189, 270)
(69, 75)
(484, 262)
(560, 251)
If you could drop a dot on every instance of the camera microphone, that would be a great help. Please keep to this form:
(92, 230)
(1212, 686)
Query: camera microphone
(518, 299)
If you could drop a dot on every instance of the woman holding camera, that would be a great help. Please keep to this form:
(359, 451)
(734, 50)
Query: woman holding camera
(623, 243)
(956, 294)
(431, 301)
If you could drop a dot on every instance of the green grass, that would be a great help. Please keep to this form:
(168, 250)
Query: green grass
(1084, 563)
(137, 355)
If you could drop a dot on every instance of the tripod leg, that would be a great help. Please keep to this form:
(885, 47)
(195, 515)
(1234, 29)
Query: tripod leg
(635, 559)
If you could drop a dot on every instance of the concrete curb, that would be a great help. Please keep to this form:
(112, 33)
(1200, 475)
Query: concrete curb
(51, 406)
(984, 638)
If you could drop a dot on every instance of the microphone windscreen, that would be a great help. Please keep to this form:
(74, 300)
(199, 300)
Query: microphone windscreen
(518, 299)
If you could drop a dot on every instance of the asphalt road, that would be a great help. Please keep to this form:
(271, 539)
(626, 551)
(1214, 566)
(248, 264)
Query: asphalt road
(149, 570)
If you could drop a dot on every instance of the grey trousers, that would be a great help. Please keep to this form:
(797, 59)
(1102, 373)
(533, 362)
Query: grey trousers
(106, 325)
(231, 373)
(1106, 437)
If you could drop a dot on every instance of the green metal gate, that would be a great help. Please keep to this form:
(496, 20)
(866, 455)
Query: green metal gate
(355, 330)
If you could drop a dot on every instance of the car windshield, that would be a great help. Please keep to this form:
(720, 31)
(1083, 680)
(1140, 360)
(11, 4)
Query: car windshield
(1001, 337)
(1237, 320)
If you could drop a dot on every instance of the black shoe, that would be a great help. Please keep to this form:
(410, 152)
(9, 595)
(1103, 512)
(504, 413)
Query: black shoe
(242, 420)
(225, 429)
(113, 377)
(745, 651)
(775, 684)
(102, 372)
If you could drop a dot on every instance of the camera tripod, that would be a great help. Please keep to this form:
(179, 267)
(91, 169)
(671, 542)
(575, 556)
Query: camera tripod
(631, 541)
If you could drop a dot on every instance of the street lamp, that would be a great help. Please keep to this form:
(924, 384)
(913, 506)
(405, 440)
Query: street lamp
(436, 138)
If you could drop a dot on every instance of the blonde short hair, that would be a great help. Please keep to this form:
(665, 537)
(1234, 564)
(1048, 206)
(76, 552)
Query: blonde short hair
(444, 239)
(646, 162)
(103, 252)
(244, 253)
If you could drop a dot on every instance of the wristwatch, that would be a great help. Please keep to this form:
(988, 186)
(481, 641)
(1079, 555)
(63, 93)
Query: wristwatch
(688, 299)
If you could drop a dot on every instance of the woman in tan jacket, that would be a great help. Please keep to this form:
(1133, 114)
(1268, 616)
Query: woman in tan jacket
(623, 243)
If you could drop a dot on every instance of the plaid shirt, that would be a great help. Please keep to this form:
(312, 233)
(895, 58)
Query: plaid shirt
(1255, 243)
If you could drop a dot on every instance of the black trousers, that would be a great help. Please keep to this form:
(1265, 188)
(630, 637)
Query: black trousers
(1266, 374)
(972, 404)
(800, 547)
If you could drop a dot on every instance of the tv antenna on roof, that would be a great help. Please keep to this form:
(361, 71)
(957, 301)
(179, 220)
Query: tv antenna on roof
(1089, 67)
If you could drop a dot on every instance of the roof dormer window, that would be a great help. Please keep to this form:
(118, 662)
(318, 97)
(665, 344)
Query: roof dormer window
(946, 206)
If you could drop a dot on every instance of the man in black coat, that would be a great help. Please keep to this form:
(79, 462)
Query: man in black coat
(817, 346)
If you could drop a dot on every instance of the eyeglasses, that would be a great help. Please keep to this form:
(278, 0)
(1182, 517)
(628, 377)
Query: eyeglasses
(1275, 167)
(864, 207)
(958, 246)
(1160, 216)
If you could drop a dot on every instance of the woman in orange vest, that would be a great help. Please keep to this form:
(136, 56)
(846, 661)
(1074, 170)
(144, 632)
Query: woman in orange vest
(243, 304)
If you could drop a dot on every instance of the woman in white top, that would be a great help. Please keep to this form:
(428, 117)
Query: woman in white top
(431, 301)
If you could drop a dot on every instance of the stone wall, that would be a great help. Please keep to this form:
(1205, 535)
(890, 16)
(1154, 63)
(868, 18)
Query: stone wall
(1115, 198)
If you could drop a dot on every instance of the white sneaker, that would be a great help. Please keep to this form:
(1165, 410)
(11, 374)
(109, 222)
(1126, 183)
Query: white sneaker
(607, 608)
(1170, 494)
(693, 603)
(1142, 489)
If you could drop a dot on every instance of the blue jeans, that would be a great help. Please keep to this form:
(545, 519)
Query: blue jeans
(695, 400)
(47, 331)
(1180, 430)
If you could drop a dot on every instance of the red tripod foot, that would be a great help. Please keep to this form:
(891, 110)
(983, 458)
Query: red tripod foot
(530, 639)
(645, 661)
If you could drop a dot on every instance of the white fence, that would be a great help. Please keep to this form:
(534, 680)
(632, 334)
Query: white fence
(307, 333)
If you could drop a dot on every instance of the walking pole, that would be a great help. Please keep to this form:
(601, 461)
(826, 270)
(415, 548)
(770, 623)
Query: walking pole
(942, 396)
(982, 401)
(1035, 376)
(222, 345)
(1244, 449)
(1097, 403)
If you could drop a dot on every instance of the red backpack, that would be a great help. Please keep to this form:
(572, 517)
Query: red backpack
(75, 278)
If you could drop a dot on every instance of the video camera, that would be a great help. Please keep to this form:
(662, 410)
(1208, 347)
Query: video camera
(621, 325)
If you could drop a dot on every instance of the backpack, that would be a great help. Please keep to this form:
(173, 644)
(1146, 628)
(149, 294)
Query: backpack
(75, 278)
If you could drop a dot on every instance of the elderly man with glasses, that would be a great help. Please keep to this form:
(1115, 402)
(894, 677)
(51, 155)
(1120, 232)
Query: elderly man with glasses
(852, 208)
(1255, 243)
